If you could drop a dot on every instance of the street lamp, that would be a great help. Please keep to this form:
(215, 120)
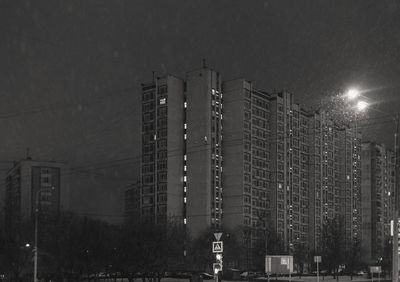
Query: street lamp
(35, 259)
(361, 105)
(352, 93)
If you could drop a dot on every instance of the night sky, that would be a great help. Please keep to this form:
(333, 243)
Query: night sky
(71, 72)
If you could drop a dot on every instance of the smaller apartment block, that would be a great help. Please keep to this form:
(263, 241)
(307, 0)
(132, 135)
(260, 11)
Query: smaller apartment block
(29, 180)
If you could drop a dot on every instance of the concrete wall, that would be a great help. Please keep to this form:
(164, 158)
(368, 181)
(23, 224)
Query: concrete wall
(175, 145)
(199, 189)
(233, 152)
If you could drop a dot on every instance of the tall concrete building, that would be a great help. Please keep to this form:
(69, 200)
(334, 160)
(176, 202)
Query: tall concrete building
(352, 194)
(29, 180)
(289, 167)
(226, 154)
(378, 182)
(204, 154)
(161, 190)
(247, 192)
(335, 170)
(181, 164)
(265, 164)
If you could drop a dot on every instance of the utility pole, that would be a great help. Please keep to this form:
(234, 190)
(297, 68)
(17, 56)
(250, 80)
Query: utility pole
(395, 256)
(35, 259)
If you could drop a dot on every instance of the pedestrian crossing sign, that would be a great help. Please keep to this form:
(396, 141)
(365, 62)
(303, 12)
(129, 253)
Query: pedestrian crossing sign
(217, 247)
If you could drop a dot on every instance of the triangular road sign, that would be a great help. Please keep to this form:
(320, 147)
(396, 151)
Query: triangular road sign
(218, 235)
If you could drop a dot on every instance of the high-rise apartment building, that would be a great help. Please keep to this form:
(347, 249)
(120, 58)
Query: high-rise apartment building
(226, 154)
(352, 193)
(378, 182)
(181, 166)
(161, 190)
(334, 169)
(326, 175)
(289, 170)
(247, 189)
(204, 153)
(31, 182)
(265, 163)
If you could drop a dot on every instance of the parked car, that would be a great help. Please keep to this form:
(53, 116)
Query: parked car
(206, 276)
(248, 275)
(360, 272)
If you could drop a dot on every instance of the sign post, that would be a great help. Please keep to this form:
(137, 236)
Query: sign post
(279, 265)
(317, 259)
(217, 249)
(268, 266)
(375, 269)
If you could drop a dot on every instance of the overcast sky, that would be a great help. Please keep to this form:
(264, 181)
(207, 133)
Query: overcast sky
(71, 70)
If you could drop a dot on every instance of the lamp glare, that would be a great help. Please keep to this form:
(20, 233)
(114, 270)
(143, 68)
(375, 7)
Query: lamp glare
(353, 93)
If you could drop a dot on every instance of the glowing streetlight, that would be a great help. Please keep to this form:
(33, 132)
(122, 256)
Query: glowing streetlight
(361, 106)
(352, 93)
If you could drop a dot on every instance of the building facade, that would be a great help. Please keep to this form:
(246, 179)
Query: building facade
(289, 167)
(224, 154)
(181, 164)
(335, 171)
(378, 182)
(161, 191)
(247, 188)
(34, 184)
(204, 153)
(265, 164)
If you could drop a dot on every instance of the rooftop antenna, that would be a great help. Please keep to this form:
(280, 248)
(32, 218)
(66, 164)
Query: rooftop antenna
(153, 74)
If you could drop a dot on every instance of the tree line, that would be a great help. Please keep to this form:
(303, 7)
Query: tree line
(71, 247)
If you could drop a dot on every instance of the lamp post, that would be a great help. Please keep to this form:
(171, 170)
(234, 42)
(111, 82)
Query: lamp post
(35, 259)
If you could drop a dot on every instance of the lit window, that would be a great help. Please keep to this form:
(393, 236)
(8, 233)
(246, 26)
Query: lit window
(184, 221)
(184, 168)
(185, 105)
(163, 101)
(184, 189)
(184, 125)
(184, 199)
(184, 136)
(185, 178)
(184, 157)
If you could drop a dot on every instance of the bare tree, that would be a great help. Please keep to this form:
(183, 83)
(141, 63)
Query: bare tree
(332, 245)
